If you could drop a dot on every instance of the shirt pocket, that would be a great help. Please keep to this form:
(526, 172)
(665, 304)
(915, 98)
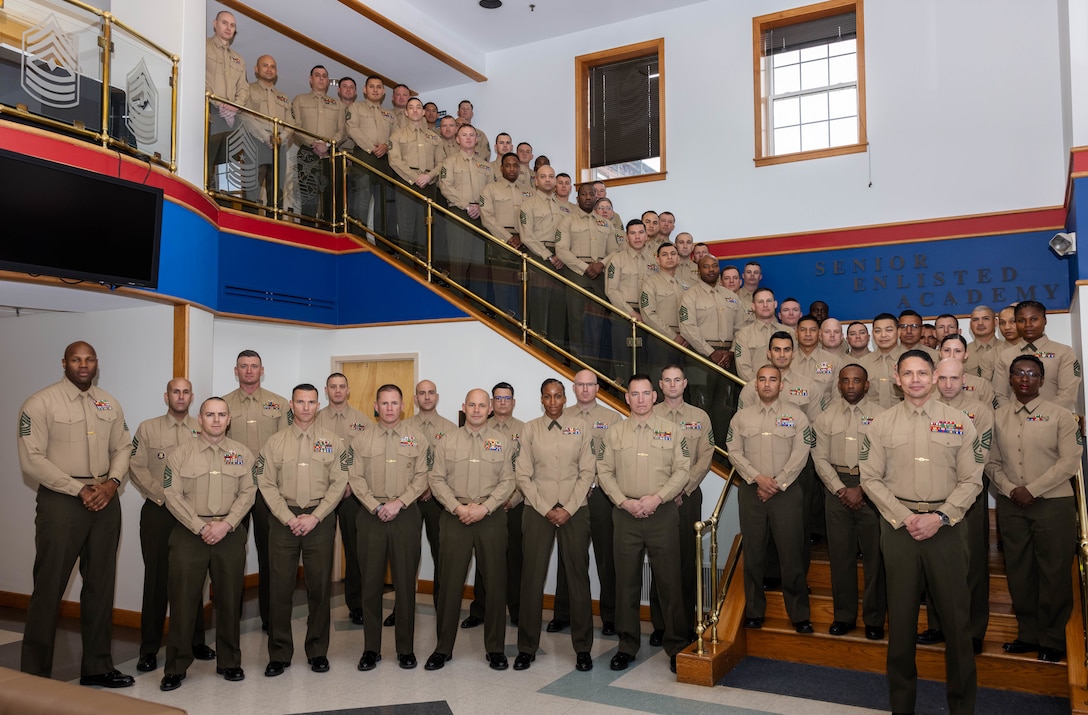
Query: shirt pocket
(68, 427)
(233, 474)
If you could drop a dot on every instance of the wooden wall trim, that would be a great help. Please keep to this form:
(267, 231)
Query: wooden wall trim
(181, 340)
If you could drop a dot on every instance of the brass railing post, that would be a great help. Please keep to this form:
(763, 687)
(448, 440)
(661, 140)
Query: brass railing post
(105, 40)
(174, 59)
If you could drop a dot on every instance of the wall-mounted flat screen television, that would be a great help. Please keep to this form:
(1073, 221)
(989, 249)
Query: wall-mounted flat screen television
(60, 221)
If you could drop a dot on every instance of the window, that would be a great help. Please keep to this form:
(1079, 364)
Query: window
(620, 114)
(809, 82)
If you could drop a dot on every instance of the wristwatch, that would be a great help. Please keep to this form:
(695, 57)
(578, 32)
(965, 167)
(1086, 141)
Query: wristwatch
(115, 480)
(945, 521)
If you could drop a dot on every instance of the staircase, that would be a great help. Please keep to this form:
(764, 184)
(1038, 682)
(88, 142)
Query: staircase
(777, 639)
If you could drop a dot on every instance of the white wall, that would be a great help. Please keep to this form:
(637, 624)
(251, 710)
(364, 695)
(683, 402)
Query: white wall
(959, 122)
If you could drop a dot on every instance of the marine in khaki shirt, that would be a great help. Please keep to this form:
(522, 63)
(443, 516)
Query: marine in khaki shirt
(224, 69)
(154, 441)
(708, 315)
(388, 473)
(209, 486)
(72, 442)
(1063, 371)
(265, 98)
(554, 471)
(415, 151)
(880, 363)
(687, 269)
(370, 125)
(301, 474)
(472, 478)
(812, 360)
(256, 415)
(625, 271)
(1037, 449)
(644, 465)
(983, 350)
(462, 178)
(852, 522)
(768, 444)
(954, 346)
(582, 238)
(659, 302)
(750, 342)
(322, 118)
(500, 211)
(539, 218)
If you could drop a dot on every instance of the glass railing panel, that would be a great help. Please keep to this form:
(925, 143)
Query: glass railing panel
(51, 62)
(140, 79)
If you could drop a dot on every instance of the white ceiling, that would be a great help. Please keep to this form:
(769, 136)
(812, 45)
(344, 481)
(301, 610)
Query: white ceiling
(460, 28)
(31, 298)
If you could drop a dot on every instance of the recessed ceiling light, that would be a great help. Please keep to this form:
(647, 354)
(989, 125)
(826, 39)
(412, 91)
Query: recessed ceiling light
(491, 4)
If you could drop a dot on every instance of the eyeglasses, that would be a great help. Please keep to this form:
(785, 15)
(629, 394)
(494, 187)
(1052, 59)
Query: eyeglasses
(1029, 374)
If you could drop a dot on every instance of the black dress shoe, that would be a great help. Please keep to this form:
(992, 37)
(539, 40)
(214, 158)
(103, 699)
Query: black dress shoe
(390, 620)
(976, 645)
(557, 625)
(436, 661)
(112, 679)
(815, 538)
(147, 663)
(356, 616)
(274, 668)
(319, 664)
(930, 636)
(1051, 655)
(203, 652)
(672, 663)
(471, 622)
(232, 674)
(874, 633)
(407, 660)
(369, 661)
(522, 661)
(657, 637)
(608, 628)
(498, 661)
(584, 662)
(620, 661)
(753, 622)
(772, 584)
(171, 682)
(840, 628)
(1019, 646)
(804, 626)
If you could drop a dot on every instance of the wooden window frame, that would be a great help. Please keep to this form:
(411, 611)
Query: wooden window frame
(762, 103)
(582, 66)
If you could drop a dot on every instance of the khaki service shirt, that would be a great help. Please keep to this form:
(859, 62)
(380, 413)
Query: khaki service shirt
(930, 454)
(500, 211)
(368, 124)
(539, 217)
(209, 482)
(798, 389)
(347, 423)
(414, 151)
(659, 303)
(982, 356)
(598, 419)
(695, 428)
(225, 72)
(624, 273)
(302, 469)
(65, 432)
(881, 369)
(556, 465)
(582, 238)
(822, 366)
(320, 115)
(1037, 446)
(708, 318)
(1063, 373)
(473, 468)
(840, 430)
(770, 440)
(155, 440)
(643, 457)
(387, 464)
(750, 346)
(254, 418)
(462, 179)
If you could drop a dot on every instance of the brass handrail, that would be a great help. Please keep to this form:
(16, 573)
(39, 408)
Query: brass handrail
(718, 588)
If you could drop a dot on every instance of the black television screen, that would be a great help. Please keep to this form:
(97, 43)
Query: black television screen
(71, 223)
